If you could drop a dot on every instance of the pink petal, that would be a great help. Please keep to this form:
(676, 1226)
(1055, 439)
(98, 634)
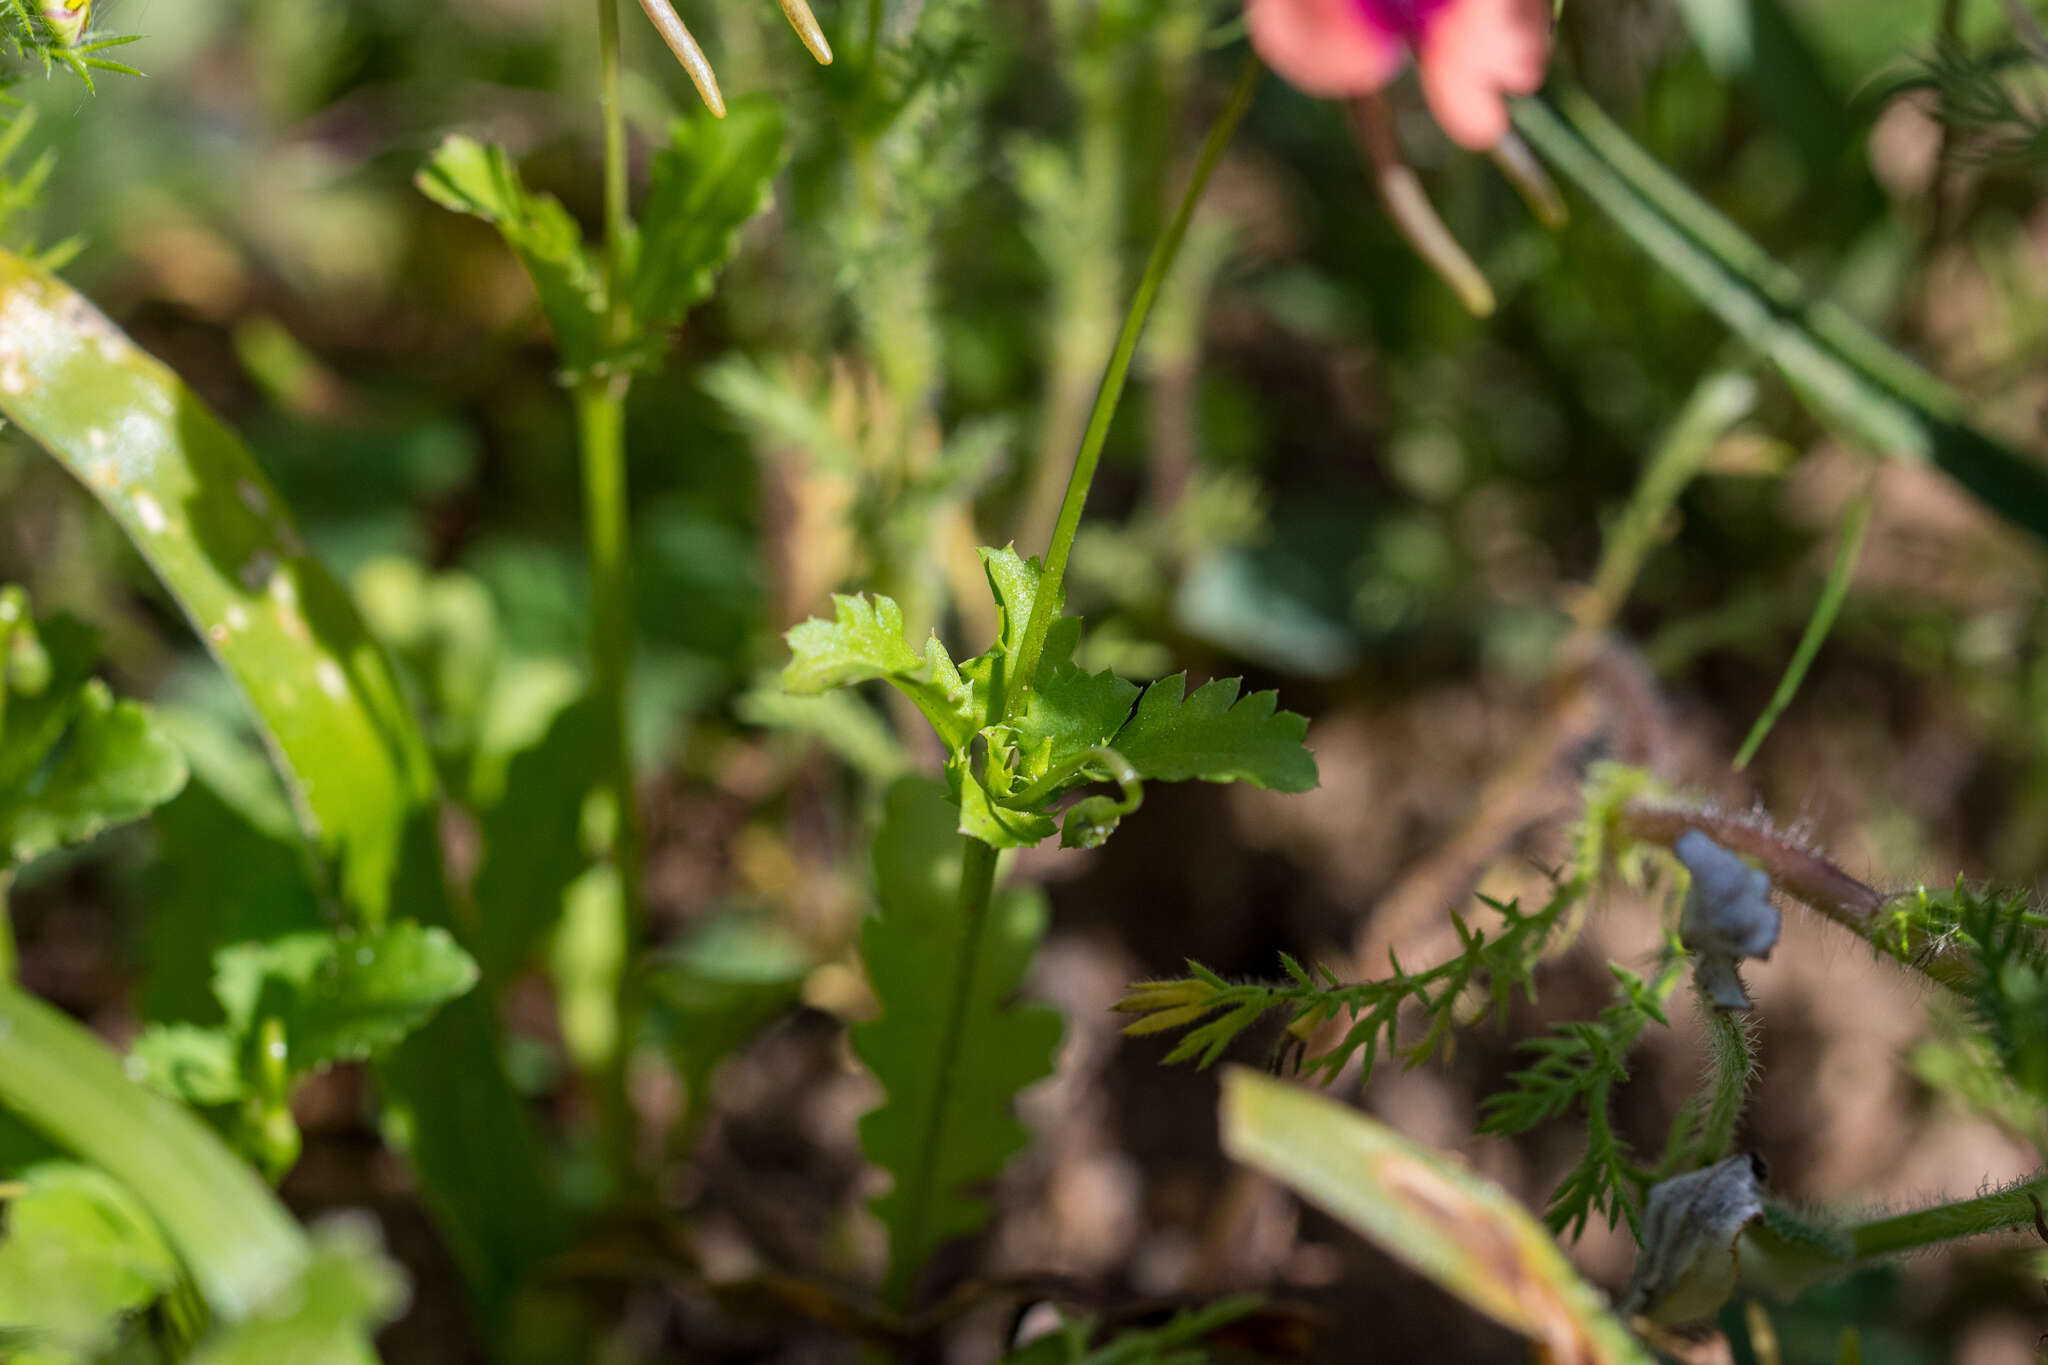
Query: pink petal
(1326, 48)
(1475, 53)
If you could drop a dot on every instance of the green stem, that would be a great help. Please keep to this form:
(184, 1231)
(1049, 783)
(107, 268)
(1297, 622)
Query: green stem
(601, 428)
(1044, 606)
(1832, 594)
(10, 956)
(1733, 1046)
(230, 1231)
(2004, 1209)
(977, 890)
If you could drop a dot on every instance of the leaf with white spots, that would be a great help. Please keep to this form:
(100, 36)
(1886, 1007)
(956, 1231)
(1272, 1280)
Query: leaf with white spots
(201, 512)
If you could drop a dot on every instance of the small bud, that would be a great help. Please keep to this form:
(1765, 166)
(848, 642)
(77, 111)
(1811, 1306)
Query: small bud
(1687, 1267)
(67, 19)
(1728, 916)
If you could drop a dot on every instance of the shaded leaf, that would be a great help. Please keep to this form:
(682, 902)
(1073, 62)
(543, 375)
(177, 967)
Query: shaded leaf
(948, 1050)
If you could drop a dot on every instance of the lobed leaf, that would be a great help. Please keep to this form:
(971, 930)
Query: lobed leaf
(949, 1051)
(81, 1252)
(342, 996)
(479, 179)
(864, 641)
(73, 760)
(1172, 737)
(712, 178)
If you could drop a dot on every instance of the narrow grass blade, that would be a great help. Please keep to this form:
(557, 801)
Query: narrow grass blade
(1850, 377)
(1832, 594)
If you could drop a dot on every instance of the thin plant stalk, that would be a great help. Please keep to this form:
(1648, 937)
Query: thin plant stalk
(600, 400)
(1044, 604)
(977, 859)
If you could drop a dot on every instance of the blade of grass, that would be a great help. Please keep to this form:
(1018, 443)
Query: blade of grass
(1832, 594)
(1850, 377)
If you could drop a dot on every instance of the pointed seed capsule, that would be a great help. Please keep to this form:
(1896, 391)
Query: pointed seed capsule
(679, 41)
(806, 25)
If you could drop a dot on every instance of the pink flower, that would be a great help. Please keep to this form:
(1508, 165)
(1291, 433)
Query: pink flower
(1472, 54)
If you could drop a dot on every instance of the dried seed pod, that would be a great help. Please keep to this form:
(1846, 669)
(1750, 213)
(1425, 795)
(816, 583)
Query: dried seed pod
(1728, 916)
(1688, 1267)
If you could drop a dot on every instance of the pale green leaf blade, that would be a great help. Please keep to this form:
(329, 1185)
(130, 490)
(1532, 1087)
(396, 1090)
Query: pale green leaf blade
(1173, 737)
(479, 179)
(187, 1062)
(707, 184)
(863, 642)
(1464, 1233)
(115, 766)
(948, 1048)
(200, 511)
(80, 1252)
(347, 1290)
(234, 1238)
(343, 996)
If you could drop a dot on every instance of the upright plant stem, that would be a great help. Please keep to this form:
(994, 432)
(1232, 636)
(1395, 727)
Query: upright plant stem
(1044, 605)
(600, 426)
(10, 957)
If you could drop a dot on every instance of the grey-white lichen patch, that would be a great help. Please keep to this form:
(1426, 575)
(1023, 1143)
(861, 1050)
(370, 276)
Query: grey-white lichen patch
(1688, 1265)
(1728, 916)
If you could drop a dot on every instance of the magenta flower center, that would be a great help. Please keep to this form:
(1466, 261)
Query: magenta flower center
(1403, 19)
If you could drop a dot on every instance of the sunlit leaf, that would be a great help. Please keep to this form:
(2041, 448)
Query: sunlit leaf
(1464, 1233)
(712, 177)
(1173, 737)
(80, 1251)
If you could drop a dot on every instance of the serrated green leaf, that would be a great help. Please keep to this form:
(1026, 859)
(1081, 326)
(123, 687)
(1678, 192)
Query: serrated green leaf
(713, 177)
(479, 179)
(347, 1290)
(114, 766)
(73, 760)
(342, 997)
(1069, 712)
(863, 642)
(187, 1062)
(1466, 1234)
(80, 1253)
(1204, 736)
(947, 1048)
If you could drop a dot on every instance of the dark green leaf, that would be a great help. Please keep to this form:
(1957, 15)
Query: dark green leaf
(948, 1049)
(1204, 736)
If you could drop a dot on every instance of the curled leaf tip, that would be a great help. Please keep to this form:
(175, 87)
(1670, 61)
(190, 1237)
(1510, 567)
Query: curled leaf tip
(806, 25)
(666, 22)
